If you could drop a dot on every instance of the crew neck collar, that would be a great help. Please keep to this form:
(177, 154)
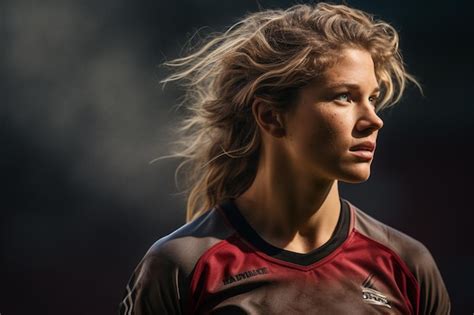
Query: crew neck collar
(245, 230)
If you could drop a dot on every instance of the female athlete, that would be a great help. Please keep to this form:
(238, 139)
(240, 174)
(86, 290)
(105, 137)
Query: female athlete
(281, 107)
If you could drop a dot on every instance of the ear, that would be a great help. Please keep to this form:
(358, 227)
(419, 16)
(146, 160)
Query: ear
(269, 120)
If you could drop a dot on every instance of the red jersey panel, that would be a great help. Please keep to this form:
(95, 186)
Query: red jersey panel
(218, 264)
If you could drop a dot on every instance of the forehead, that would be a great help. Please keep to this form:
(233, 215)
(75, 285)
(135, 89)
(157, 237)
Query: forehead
(353, 69)
(352, 65)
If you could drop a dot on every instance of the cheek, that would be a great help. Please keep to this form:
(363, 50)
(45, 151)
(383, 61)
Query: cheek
(320, 131)
(333, 131)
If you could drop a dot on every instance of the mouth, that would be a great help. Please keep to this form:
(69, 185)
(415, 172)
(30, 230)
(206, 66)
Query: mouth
(364, 146)
(364, 150)
(365, 155)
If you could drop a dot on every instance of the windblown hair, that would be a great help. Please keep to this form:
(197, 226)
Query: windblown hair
(268, 55)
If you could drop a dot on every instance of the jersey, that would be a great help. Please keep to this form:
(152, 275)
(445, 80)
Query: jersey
(218, 264)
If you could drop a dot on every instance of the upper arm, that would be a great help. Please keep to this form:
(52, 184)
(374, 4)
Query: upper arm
(434, 298)
(152, 288)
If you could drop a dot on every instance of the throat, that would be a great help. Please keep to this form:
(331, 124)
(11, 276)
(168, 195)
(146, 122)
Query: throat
(292, 231)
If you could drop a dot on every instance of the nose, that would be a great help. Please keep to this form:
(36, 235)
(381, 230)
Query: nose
(369, 120)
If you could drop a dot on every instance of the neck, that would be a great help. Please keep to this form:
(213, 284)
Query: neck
(290, 209)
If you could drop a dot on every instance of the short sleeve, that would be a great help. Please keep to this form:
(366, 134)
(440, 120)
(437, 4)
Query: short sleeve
(152, 288)
(434, 298)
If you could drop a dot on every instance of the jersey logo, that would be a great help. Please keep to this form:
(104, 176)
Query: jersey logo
(245, 275)
(370, 294)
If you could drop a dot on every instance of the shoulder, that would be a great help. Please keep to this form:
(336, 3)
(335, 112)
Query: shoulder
(433, 295)
(186, 245)
(406, 247)
(159, 283)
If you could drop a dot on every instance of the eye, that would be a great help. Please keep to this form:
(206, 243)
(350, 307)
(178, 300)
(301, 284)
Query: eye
(345, 97)
(374, 100)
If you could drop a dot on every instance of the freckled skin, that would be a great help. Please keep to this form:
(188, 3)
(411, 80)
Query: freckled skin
(323, 127)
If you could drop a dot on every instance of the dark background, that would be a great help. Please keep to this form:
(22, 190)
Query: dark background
(82, 115)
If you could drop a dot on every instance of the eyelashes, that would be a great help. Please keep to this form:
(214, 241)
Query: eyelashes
(346, 97)
(343, 97)
(374, 99)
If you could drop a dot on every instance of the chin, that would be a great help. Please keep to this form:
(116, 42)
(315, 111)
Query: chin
(355, 176)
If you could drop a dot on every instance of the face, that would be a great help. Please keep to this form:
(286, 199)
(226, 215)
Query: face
(333, 115)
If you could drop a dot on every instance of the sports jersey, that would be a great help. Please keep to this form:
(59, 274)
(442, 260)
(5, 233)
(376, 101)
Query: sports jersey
(218, 264)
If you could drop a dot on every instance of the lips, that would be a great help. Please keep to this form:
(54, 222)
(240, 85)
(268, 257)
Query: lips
(364, 146)
(363, 151)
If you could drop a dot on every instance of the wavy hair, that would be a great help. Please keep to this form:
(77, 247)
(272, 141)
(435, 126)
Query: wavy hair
(267, 55)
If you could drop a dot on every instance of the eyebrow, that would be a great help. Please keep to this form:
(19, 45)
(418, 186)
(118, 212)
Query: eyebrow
(350, 86)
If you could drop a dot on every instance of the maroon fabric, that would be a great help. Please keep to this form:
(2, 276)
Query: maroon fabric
(368, 268)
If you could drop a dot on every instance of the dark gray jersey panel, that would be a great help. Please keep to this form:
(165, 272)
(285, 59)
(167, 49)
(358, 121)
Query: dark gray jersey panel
(160, 282)
(434, 298)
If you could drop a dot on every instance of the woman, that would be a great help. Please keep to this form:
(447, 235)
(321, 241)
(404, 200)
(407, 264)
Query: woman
(283, 106)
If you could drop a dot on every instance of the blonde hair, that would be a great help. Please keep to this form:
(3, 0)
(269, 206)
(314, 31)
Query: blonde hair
(267, 55)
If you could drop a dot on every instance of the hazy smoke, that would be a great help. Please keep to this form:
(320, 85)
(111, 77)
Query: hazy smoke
(82, 91)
